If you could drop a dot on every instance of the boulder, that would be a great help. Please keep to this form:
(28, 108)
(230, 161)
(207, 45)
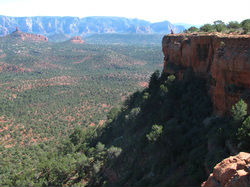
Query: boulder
(231, 172)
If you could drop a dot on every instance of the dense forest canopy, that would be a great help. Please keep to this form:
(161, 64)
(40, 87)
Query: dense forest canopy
(147, 141)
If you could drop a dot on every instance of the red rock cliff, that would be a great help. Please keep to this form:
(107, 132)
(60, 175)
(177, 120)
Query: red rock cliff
(222, 59)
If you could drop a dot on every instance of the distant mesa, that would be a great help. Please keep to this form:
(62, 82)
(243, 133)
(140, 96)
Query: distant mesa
(27, 36)
(76, 39)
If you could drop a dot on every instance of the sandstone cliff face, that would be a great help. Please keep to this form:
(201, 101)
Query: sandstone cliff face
(231, 172)
(224, 60)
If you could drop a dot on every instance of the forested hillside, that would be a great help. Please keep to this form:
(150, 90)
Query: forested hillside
(158, 137)
(95, 115)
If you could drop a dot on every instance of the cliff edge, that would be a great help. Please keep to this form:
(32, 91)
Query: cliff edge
(223, 59)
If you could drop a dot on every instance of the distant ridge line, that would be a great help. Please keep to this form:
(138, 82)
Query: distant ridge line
(75, 26)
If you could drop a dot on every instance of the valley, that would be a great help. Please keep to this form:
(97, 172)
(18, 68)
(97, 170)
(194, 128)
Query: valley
(125, 110)
(47, 89)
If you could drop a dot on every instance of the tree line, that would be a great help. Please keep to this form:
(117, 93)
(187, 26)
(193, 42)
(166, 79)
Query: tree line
(219, 26)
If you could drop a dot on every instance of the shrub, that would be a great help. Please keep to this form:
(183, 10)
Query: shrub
(134, 112)
(243, 134)
(114, 152)
(233, 25)
(154, 80)
(163, 88)
(207, 28)
(112, 114)
(155, 133)
(171, 78)
(245, 24)
(219, 26)
(192, 29)
(239, 110)
(145, 96)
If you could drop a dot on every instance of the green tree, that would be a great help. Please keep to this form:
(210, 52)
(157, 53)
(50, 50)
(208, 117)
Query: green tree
(154, 80)
(112, 113)
(171, 78)
(192, 29)
(219, 26)
(114, 152)
(243, 134)
(245, 24)
(207, 28)
(155, 133)
(239, 110)
(233, 25)
(154, 77)
(241, 125)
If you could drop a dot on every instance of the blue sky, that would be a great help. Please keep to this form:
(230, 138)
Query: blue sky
(185, 11)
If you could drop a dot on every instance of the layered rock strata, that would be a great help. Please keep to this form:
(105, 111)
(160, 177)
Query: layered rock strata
(223, 59)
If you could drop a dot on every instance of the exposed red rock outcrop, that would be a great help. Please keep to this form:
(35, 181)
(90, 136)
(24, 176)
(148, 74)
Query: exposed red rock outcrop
(12, 68)
(231, 172)
(28, 36)
(76, 39)
(223, 59)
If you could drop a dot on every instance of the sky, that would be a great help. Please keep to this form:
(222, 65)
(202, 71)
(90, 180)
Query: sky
(176, 11)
